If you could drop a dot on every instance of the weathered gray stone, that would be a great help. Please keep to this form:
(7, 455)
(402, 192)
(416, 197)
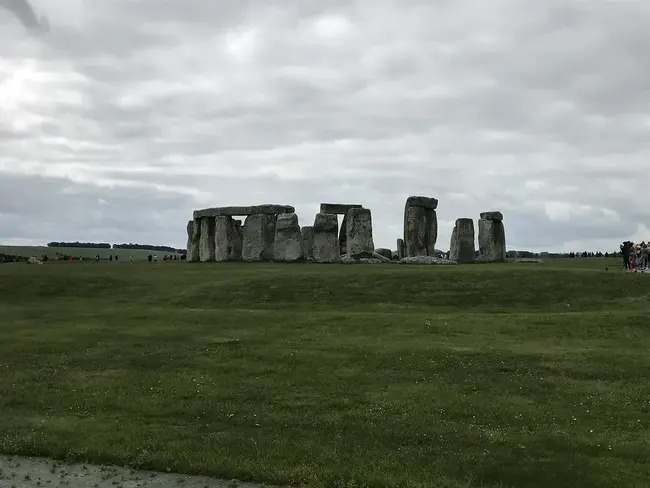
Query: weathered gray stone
(426, 260)
(494, 215)
(288, 239)
(343, 236)
(308, 242)
(462, 248)
(381, 257)
(270, 209)
(423, 202)
(401, 248)
(193, 235)
(347, 259)
(258, 236)
(359, 232)
(227, 239)
(338, 208)
(326, 244)
(420, 226)
(491, 240)
(206, 239)
(236, 241)
(387, 253)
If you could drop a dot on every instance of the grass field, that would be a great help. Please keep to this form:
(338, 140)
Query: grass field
(341, 376)
(90, 253)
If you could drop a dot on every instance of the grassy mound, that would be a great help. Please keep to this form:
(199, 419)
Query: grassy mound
(343, 376)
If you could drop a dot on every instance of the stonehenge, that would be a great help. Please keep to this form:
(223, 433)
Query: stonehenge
(491, 237)
(340, 209)
(272, 232)
(461, 247)
(420, 226)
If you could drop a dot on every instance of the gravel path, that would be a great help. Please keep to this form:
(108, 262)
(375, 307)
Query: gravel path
(33, 472)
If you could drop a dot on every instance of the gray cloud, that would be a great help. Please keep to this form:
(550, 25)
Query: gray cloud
(127, 116)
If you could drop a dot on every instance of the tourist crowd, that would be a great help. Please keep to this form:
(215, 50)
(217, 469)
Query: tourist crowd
(635, 256)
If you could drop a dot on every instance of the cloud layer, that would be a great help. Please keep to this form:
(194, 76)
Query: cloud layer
(126, 116)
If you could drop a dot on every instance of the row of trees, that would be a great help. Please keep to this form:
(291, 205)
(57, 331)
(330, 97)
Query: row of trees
(104, 245)
(583, 254)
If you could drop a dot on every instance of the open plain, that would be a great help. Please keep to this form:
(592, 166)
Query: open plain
(331, 375)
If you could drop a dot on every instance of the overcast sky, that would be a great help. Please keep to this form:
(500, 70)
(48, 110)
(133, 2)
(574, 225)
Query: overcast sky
(128, 114)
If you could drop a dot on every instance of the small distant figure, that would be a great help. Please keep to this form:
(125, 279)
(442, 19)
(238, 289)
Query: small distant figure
(155, 258)
(96, 258)
(116, 257)
(110, 257)
(131, 258)
(150, 258)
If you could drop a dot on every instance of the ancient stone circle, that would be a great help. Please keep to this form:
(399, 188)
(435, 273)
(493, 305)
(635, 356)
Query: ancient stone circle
(272, 233)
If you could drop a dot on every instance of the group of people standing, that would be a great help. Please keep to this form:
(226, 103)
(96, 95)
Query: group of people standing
(635, 256)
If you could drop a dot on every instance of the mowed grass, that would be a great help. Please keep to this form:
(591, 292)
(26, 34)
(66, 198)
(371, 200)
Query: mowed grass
(85, 253)
(339, 376)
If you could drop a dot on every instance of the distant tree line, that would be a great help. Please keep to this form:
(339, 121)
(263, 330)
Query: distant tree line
(84, 245)
(583, 254)
(148, 247)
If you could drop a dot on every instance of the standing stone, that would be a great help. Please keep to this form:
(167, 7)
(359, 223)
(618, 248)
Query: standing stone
(308, 242)
(193, 234)
(491, 237)
(258, 237)
(462, 248)
(420, 226)
(288, 239)
(401, 249)
(206, 239)
(227, 239)
(236, 241)
(343, 235)
(359, 233)
(326, 242)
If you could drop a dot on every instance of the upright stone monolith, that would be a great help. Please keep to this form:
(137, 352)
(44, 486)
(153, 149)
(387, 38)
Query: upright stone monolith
(401, 249)
(308, 242)
(288, 239)
(359, 238)
(227, 240)
(193, 234)
(420, 226)
(491, 237)
(462, 247)
(206, 239)
(326, 242)
(258, 237)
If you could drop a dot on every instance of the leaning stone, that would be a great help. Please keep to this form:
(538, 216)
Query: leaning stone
(206, 239)
(387, 253)
(462, 248)
(491, 240)
(325, 244)
(492, 216)
(338, 208)
(420, 227)
(193, 237)
(267, 209)
(258, 237)
(426, 260)
(359, 232)
(422, 202)
(381, 257)
(288, 239)
(308, 242)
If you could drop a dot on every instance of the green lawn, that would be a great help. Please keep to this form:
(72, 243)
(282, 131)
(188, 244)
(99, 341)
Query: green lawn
(341, 376)
(89, 253)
